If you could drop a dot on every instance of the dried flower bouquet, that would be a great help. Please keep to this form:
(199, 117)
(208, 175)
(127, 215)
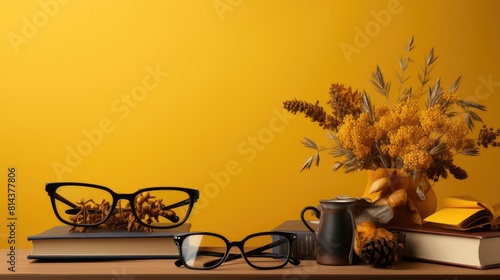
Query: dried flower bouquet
(404, 136)
(418, 134)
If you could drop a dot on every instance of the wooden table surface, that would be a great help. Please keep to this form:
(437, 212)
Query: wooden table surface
(165, 269)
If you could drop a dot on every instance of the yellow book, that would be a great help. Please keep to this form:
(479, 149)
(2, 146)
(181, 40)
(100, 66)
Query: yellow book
(466, 213)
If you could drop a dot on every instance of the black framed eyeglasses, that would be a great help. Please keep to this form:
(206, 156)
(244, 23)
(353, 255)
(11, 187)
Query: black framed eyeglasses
(206, 250)
(89, 205)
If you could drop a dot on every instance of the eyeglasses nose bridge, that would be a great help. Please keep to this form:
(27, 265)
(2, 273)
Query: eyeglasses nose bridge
(128, 197)
(239, 245)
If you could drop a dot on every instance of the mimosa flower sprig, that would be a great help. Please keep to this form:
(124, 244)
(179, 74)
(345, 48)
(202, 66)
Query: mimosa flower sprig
(409, 135)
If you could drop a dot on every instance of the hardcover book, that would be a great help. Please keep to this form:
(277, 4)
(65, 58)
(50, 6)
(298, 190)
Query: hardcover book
(59, 244)
(304, 248)
(475, 249)
(465, 213)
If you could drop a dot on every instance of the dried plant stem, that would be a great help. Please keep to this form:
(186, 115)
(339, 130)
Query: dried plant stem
(425, 77)
(403, 65)
(381, 86)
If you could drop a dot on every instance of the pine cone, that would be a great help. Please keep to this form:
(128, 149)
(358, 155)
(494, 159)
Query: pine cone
(383, 252)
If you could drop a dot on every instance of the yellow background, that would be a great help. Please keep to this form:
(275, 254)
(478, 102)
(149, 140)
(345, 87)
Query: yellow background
(213, 118)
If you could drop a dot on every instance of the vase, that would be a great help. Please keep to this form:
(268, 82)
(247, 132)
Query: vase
(411, 198)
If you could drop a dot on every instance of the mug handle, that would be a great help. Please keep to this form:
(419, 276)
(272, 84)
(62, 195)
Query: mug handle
(317, 213)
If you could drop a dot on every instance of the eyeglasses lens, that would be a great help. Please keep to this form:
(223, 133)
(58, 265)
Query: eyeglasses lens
(83, 205)
(267, 251)
(203, 251)
(162, 207)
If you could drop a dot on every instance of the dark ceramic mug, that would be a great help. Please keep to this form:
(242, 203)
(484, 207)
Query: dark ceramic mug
(335, 234)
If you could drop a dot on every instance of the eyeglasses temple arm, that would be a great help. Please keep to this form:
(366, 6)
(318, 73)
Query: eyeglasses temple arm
(75, 210)
(294, 261)
(232, 257)
(171, 216)
(64, 200)
(168, 207)
(178, 204)
(171, 213)
(179, 263)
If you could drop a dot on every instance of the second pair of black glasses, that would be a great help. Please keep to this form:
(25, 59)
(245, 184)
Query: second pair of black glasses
(89, 205)
(263, 250)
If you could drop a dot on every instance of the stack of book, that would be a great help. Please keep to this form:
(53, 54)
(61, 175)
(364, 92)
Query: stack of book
(463, 233)
(475, 249)
(59, 244)
(304, 248)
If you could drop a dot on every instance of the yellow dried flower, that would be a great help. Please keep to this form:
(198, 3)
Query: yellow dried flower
(412, 135)
(409, 112)
(357, 135)
(450, 96)
(433, 120)
(404, 138)
(386, 121)
(344, 100)
(457, 133)
(416, 158)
